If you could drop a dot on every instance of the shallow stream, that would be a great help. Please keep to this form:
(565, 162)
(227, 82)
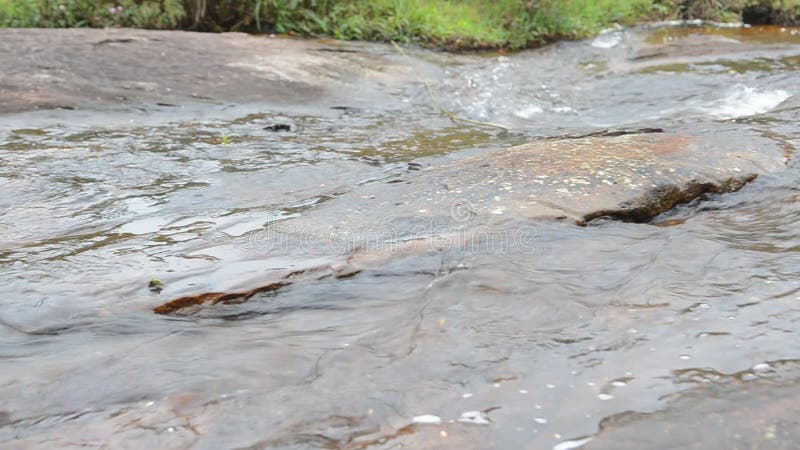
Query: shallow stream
(677, 333)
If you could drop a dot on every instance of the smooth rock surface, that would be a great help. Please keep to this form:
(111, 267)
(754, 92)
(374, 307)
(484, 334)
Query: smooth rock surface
(632, 177)
(89, 68)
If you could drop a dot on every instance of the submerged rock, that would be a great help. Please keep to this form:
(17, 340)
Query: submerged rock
(760, 415)
(628, 177)
(631, 177)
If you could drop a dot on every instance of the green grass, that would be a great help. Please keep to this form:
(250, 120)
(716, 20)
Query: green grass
(158, 14)
(464, 24)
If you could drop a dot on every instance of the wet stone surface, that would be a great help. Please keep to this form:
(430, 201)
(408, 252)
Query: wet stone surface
(424, 299)
(632, 177)
(81, 68)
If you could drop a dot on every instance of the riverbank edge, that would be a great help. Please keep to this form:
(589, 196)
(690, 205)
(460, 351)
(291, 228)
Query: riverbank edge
(477, 25)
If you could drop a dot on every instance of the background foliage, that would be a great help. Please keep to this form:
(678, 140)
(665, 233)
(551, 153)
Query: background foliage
(464, 24)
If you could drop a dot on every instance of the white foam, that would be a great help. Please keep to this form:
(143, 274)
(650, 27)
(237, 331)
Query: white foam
(607, 40)
(569, 445)
(427, 419)
(529, 112)
(742, 101)
(761, 367)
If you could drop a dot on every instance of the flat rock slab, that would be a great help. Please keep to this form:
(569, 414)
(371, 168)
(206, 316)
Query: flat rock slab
(89, 68)
(676, 46)
(632, 177)
(759, 415)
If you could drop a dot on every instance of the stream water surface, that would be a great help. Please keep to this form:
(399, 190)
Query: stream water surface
(678, 333)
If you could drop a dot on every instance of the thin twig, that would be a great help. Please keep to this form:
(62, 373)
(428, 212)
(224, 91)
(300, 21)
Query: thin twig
(436, 104)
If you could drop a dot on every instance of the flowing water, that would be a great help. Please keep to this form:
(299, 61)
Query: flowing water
(681, 332)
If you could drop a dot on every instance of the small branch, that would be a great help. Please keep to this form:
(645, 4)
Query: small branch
(436, 104)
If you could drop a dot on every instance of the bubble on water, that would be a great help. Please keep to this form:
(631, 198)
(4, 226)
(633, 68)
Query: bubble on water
(619, 383)
(523, 391)
(685, 357)
(748, 376)
(604, 396)
(541, 420)
(550, 386)
(427, 419)
(466, 395)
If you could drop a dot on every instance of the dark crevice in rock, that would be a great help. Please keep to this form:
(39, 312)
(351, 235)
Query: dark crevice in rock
(213, 298)
(190, 304)
(608, 133)
(662, 199)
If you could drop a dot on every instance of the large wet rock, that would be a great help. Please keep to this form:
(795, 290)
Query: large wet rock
(669, 47)
(87, 68)
(631, 177)
(736, 416)
(621, 176)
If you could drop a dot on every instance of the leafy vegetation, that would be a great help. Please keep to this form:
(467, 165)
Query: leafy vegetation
(157, 14)
(464, 24)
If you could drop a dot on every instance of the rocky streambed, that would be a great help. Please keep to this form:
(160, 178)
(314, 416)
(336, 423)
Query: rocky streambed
(335, 263)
